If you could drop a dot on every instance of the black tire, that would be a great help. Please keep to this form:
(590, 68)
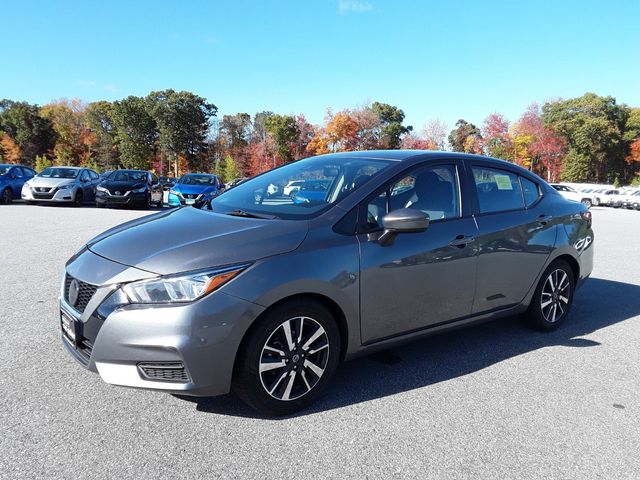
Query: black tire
(77, 201)
(544, 317)
(101, 205)
(250, 384)
(7, 196)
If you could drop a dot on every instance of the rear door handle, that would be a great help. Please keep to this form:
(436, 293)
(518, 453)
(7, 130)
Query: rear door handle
(544, 219)
(461, 241)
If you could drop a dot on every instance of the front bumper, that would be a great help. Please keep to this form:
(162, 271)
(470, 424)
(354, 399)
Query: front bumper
(201, 337)
(129, 198)
(174, 200)
(54, 195)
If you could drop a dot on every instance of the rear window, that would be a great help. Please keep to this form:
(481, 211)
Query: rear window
(530, 191)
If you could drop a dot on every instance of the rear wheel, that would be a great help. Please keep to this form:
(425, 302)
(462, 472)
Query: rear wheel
(553, 297)
(7, 196)
(288, 358)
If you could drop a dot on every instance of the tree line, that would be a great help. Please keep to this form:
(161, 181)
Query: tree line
(586, 139)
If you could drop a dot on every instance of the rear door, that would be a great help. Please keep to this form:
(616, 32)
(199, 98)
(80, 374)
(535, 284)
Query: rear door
(421, 279)
(516, 234)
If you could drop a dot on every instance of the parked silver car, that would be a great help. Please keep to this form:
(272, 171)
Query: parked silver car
(73, 185)
(267, 295)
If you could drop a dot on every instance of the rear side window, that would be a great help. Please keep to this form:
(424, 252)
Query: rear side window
(498, 190)
(530, 191)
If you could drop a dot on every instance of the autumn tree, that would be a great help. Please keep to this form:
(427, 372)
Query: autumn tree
(74, 139)
(284, 131)
(135, 132)
(497, 141)
(182, 120)
(391, 119)
(542, 146)
(236, 129)
(33, 133)
(99, 119)
(464, 136)
(342, 131)
(435, 132)
(9, 149)
(593, 128)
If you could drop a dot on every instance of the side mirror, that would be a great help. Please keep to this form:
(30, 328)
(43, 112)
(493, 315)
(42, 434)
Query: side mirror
(222, 185)
(403, 220)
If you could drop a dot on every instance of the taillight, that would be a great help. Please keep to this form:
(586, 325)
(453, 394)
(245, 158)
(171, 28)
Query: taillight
(586, 216)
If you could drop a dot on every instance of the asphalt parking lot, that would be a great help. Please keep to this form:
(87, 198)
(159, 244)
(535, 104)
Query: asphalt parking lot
(492, 401)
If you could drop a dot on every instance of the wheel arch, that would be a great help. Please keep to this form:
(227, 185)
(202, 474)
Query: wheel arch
(324, 300)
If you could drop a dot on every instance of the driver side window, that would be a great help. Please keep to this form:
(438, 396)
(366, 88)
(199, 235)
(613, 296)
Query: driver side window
(433, 190)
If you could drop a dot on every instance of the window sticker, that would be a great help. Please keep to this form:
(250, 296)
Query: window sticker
(503, 182)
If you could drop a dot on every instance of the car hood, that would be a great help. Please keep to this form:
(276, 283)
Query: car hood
(190, 239)
(50, 182)
(193, 189)
(122, 185)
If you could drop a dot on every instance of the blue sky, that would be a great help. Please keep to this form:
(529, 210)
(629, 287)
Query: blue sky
(446, 60)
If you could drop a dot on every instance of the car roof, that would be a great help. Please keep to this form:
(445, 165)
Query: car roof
(71, 168)
(425, 155)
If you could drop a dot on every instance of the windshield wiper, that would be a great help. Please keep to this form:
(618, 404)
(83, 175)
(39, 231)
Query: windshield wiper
(243, 213)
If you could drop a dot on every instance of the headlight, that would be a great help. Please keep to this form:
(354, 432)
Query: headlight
(139, 190)
(174, 192)
(101, 189)
(66, 187)
(26, 185)
(170, 289)
(180, 288)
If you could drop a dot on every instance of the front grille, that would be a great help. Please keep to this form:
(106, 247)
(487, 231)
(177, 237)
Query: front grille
(191, 196)
(120, 193)
(44, 193)
(85, 293)
(164, 371)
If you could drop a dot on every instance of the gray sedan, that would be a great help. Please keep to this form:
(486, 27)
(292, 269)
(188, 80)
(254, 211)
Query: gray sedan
(267, 294)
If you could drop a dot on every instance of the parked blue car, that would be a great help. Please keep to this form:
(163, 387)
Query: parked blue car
(194, 188)
(311, 191)
(12, 177)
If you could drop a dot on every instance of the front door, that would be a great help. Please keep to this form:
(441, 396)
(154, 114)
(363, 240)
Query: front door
(421, 279)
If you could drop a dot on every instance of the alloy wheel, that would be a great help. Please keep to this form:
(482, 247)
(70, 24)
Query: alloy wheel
(554, 301)
(294, 358)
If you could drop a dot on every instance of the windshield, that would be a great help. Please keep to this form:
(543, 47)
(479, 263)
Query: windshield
(128, 176)
(4, 170)
(59, 172)
(324, 182)
(197, 180)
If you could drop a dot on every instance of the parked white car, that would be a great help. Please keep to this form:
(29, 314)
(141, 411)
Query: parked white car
(292, 187)
(631, 200)
(571, 193)
(609, 197)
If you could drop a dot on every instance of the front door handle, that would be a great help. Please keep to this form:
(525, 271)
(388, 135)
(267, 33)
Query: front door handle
(461, 241)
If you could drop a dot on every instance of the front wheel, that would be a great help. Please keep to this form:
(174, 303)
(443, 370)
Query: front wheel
(288, 359)
(553, 297)
(77, 201)
(7, 196)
